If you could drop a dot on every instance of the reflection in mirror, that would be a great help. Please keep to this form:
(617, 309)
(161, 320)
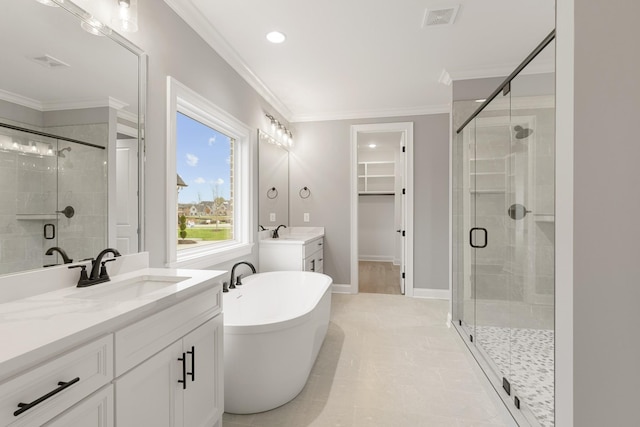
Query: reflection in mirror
(69, 125)
(273, 178)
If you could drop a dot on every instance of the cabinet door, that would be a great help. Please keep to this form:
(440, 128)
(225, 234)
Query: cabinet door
(150, 395)
(94, 411)
(203, 397)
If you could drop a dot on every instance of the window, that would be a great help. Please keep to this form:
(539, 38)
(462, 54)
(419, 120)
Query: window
(208, 183)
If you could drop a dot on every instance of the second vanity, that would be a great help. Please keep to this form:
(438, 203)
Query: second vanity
(148, 343)
(296, 249)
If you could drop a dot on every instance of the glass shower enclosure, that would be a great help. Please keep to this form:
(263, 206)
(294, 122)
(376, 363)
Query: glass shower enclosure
(503, 237)
(54, 194)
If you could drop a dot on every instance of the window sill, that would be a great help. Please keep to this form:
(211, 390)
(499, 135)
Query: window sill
(202, 258)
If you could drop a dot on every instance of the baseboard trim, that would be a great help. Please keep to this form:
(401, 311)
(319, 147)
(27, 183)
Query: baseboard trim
(340, 289)
(375, 258)
(431, 293)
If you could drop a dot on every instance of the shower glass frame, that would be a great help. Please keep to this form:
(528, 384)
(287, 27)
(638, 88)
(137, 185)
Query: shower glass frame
(503, 294)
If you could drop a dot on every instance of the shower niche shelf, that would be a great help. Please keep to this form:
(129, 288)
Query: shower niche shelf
(36, 217)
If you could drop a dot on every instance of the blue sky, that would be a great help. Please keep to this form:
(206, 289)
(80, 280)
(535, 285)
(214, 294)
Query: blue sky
(202, 160)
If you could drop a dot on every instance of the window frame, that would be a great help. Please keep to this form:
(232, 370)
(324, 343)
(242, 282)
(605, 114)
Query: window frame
(184, 100)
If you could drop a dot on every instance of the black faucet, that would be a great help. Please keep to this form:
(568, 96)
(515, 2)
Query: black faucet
(62, 253)
(98, 269)
(233, 273)
(275, 232)
(261, 227)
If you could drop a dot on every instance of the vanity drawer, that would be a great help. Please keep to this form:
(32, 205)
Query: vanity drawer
(141, 340)
(312, 247)
(57, 384)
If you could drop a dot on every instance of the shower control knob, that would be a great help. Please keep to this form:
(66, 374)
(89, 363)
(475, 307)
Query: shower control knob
(517, 211)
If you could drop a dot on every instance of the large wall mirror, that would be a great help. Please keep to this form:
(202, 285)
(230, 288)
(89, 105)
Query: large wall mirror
(70, 113)
(273, 178)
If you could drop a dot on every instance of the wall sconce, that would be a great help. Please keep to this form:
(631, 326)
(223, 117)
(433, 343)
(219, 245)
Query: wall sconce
(125, 18)
(281, 134)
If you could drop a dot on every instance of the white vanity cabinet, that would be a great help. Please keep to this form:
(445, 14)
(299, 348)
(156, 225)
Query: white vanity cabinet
(181, 383)
(37, 396)
(292, 255)
(154, 359)
(181, 386)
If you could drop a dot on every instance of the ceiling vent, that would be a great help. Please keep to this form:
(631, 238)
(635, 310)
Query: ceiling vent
(440, 17)
(49, 61)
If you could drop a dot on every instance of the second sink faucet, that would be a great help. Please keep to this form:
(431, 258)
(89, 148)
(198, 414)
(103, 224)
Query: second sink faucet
(275, 232)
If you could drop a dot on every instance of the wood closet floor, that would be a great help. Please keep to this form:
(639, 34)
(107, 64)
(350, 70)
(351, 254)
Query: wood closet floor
(379, 277)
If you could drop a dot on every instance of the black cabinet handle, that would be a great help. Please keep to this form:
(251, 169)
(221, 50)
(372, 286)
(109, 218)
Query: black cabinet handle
(192, 374)
(61, 386)
(313, 265)
(486, 237)
(183, 381)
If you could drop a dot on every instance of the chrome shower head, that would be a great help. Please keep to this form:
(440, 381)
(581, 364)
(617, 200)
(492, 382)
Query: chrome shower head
(522, 133)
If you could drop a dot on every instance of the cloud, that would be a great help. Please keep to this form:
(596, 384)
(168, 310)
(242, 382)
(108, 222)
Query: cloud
(212, 141)
(219, 181)
(192, 160)
(200, 180)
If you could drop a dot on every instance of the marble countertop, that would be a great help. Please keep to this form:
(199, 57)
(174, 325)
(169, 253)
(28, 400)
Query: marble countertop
(293, 235)
(35, 328)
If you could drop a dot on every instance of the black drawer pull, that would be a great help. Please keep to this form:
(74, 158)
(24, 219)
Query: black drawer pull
(183, 381)
(61, 386)
(192, 374)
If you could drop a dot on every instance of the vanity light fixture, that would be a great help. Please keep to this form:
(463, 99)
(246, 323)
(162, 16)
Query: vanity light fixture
(92, 26)
(125, 17)
(281, 134)
(276, 37)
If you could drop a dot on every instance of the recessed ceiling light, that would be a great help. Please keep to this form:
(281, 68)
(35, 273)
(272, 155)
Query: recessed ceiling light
(276, 37)
(372, 145)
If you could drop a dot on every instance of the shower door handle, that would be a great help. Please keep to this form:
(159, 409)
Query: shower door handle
(486, 237)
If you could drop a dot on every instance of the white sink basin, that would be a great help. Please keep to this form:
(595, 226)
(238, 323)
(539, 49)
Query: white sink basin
(135, 287)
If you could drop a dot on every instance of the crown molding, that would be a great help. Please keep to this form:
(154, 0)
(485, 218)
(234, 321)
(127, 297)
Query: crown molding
(190, 14)
(15, 98)
(373, 114)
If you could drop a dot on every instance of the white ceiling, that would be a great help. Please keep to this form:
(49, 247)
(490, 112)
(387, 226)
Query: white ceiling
(366, 58)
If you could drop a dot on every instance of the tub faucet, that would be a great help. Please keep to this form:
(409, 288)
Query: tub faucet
(233, 285)
(62, 253)
(275, 232)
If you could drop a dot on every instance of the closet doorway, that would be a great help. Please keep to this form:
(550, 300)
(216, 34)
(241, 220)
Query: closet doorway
(381, 205)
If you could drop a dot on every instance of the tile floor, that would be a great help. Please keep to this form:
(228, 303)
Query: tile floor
(388, 360)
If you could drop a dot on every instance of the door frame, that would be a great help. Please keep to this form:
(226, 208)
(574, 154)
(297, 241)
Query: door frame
(406, 128)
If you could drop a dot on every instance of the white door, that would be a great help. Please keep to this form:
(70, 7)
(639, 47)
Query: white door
(127, 196)
(401, 206)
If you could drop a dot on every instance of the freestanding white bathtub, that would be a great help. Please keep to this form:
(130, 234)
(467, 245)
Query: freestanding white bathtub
(274, 325)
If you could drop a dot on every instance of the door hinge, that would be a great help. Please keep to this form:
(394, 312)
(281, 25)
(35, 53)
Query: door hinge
(516, 402)
(404, 191)
(404, 233)
(506, 386)
(404, 149)
(471, 338)
(460, 322)
(506, 89)
(403, 275)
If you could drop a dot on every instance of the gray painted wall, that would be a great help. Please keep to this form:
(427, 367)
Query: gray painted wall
(320, 160)
(174, 49)
(606, 288)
